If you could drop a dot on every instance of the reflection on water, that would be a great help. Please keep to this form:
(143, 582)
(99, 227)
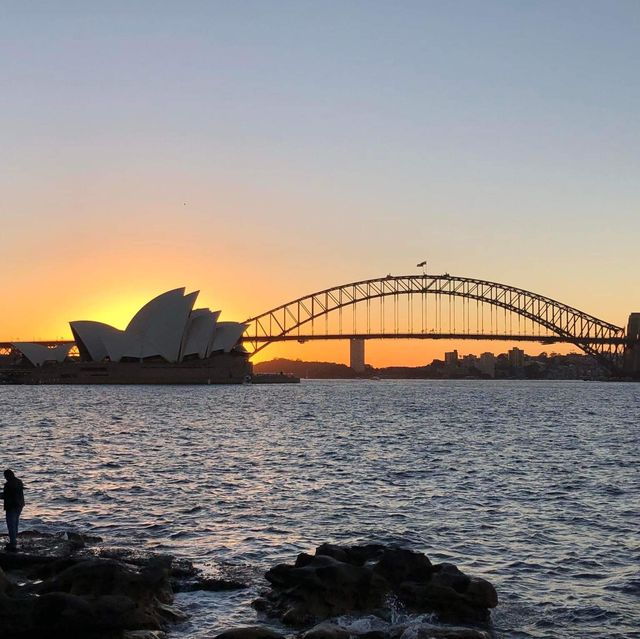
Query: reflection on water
(534, 485)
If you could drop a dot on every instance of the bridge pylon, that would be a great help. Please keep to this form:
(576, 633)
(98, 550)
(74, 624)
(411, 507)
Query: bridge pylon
(356, 354)
(632, 349)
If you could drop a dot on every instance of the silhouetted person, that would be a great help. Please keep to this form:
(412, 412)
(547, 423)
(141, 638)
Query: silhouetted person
(13, 497)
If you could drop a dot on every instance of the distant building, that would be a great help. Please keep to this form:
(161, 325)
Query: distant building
(487, 364)
(469, 364)
(356, 355)
(451, 359)
(516, 357)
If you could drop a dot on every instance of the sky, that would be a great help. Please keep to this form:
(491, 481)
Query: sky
(261, 151)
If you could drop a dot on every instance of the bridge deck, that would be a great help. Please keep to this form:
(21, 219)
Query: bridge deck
(542, 339)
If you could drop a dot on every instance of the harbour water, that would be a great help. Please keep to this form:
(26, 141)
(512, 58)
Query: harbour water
(532, 485)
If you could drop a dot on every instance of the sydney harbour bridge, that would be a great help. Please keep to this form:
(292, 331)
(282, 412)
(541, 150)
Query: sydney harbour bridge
(443, 306)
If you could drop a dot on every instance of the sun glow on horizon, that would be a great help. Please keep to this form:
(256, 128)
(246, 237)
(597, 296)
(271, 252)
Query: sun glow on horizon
(193, 149)
(100, 295)
(395, 352)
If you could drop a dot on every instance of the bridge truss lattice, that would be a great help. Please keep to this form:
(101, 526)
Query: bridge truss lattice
(435, 307)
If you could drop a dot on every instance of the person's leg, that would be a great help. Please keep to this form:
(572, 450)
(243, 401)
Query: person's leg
(12, 526)
(7, 514)
(17, 522)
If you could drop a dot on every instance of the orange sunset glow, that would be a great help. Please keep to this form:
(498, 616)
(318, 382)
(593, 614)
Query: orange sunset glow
(109, 296)
(319, 319)
(256, 188)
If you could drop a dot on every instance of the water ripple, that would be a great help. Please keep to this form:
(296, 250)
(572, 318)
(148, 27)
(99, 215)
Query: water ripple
(534, 485)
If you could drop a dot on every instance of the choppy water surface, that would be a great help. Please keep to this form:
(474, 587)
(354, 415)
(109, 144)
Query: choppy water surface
(533, 485)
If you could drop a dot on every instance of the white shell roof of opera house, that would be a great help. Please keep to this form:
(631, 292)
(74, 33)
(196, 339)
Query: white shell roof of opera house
(168, 327)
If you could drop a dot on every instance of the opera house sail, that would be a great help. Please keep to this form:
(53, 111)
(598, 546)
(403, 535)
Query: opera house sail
(166, 342)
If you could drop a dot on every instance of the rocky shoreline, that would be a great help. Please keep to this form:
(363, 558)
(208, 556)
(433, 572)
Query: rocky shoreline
(373, 582)
(72, 585)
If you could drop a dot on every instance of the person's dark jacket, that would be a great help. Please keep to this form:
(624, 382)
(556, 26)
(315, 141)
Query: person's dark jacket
(13, 494)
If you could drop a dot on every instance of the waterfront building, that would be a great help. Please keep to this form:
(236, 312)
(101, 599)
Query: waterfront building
(451, 359)
(167, 328)
(487, 364)
(516, 357)
(469, 361)
(166, 341)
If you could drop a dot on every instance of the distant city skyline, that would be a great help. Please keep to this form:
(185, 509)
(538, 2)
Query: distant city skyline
(514, 364)
(260, 151)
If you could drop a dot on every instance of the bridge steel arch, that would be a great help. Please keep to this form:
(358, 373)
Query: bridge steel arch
(602, 340)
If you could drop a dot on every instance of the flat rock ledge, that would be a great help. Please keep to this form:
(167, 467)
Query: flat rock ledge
(71, 585)
(319, 593)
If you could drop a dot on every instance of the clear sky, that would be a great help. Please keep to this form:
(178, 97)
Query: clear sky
(259, 151)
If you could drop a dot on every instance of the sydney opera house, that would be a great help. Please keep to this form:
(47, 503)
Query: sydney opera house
(166, 342)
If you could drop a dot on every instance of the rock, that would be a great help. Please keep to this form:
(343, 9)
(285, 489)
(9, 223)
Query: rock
(34, 534)
(281, 576)
(125, 597)
(361, 580)
(95, 577)
(450, 605)
(355, 555)
(303, 559)
(373, 634)
(250, 632)
(66, 590)
(81, 541)
(431, 631)
(299, 616)
(336, 552)
(182, 568)
(482, 592)
(171, 612)
(261, 604)
(331, 630)
(59, 614)
(5, 584)
(59, 611)
(326, 587)
(450, 576)
(117, 611)
(326, 630)
(24, 560)
(398, 565)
